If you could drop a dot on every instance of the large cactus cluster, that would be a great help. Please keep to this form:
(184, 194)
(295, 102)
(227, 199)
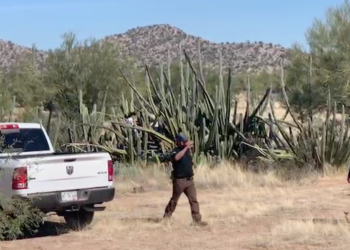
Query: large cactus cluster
(211, 120)
(213, 123)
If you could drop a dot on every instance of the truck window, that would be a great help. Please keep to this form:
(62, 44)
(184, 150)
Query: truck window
(26, 140)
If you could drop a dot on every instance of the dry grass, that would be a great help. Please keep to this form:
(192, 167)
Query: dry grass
(310, 232)
(244, 211)
(222, 176)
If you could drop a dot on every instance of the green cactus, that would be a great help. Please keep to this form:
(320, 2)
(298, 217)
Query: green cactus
(207, 121)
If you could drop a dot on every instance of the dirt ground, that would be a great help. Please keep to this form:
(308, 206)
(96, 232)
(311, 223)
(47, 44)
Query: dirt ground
(243, 217)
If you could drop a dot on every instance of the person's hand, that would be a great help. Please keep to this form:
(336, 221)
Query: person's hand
(189, 144)
(348, 179)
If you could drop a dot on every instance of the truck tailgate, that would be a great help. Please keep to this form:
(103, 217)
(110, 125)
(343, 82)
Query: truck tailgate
(67, 172)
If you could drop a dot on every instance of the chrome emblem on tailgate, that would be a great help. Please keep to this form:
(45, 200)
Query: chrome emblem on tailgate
(69, 170)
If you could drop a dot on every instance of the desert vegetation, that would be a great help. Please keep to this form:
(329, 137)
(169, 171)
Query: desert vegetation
(259, 138)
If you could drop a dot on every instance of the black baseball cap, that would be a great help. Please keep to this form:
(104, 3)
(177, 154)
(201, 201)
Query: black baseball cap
(181, 138)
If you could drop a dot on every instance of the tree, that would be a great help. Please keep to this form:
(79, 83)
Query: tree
(329, 54)
(305, 96)
(91, 66)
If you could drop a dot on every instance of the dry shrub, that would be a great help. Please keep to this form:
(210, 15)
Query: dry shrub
(227, 175)
(222, 176)
(288, 171)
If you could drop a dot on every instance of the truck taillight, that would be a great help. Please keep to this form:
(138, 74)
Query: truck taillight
(9, 128)
(20, 178)
(110, 170)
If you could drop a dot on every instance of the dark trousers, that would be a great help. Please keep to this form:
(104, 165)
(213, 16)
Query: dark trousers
(188, 187)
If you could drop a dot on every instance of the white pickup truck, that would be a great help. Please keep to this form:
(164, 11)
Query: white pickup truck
(70, 184)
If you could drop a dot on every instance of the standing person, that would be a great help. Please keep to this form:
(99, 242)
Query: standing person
(182, 176)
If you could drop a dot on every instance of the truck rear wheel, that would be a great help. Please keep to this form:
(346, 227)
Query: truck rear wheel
(78, 220)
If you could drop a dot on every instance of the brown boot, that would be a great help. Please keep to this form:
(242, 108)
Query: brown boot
(197, 220)
(200, 223)
(167, 216)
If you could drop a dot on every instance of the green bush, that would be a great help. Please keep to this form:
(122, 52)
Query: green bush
(22, 219)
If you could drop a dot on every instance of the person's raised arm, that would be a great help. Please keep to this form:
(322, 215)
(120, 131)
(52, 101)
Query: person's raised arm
(180, 154)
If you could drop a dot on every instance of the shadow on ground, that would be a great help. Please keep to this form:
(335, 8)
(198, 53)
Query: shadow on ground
(147, 219)
(47, 229)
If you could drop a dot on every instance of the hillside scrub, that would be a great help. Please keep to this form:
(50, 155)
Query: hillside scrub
(152, 44)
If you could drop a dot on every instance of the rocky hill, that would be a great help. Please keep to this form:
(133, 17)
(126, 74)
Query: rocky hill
(152, 45)
(10, 54)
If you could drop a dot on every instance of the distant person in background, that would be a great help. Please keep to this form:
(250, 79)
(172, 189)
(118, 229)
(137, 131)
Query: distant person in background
(131, 119)
(182, 176)
(153, 122)
(153, 141)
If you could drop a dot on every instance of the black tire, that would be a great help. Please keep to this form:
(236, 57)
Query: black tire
(78, 220)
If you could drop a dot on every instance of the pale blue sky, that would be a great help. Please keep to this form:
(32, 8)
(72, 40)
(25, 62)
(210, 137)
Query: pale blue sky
(42, 22)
